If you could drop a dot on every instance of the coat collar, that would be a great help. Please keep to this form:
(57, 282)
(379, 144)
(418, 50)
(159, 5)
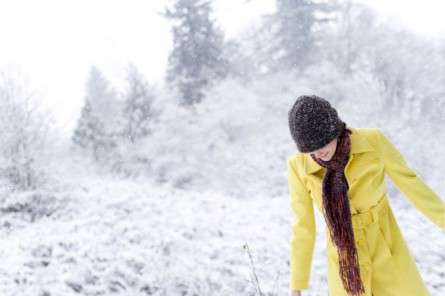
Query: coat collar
(359, 144)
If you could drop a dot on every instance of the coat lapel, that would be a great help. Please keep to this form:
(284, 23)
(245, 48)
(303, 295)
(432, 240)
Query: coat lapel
(359, 144)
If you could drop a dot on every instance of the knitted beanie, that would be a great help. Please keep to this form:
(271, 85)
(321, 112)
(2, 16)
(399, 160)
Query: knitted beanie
(313, 123)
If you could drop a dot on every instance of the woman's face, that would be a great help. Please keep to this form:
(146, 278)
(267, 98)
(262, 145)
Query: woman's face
(325, 153)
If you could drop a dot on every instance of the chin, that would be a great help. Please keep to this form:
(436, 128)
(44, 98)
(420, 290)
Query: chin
(327, 158)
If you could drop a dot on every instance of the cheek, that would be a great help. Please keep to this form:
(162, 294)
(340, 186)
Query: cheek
(331, 150)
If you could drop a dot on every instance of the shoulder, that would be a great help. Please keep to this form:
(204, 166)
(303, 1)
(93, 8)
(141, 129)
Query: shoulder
(371, 134)
(296, 161)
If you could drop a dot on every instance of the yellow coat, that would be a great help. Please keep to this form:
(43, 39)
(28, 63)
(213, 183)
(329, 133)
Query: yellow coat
(386, 265)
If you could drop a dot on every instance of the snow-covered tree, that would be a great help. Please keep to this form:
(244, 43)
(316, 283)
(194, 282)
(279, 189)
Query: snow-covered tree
(139, 98)
(197, 57)
(347, 42)
(24, 127)
(98, 126)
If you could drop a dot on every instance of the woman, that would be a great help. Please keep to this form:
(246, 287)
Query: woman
(341, 171)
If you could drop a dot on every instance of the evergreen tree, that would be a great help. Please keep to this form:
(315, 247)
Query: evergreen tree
(197, 56)
(95, 131)
(295, 24)
(83, 134)
(138, 104)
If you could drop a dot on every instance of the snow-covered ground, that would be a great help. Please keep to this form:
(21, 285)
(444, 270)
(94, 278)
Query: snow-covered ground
(105, 236)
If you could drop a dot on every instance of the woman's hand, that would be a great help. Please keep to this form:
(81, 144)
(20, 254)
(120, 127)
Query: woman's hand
(295, 293)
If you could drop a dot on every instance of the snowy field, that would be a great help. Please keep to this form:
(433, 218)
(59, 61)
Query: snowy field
(105, 236)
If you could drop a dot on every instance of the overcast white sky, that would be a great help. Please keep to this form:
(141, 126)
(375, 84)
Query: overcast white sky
(54, 42)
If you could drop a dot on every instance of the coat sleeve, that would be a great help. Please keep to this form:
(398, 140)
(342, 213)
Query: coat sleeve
(409, 183)
(303, 230)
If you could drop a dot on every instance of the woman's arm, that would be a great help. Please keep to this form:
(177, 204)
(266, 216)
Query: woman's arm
(303, 230)
(408, 182)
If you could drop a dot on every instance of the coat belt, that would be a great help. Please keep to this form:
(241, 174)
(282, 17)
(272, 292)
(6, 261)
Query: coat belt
(363, 219)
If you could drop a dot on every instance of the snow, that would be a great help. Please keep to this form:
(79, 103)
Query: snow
(135, 237)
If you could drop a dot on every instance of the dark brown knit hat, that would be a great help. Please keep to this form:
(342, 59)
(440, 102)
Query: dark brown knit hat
(313, 123)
